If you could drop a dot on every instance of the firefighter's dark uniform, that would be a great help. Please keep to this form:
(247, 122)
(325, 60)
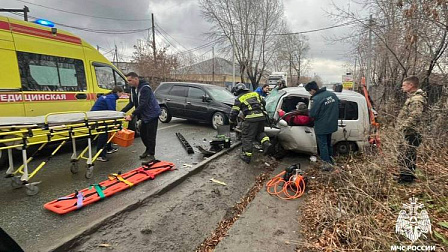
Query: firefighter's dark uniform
(252, 106)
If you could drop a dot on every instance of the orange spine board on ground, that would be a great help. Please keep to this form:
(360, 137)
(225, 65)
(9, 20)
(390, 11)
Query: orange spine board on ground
(115, 183)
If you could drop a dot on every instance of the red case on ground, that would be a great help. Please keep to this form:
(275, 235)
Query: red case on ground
(124, 138)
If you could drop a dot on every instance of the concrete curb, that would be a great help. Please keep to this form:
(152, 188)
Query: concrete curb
(68, 242)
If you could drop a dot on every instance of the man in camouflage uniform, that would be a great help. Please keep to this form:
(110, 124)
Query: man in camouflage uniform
(252, 106)
(408, 123)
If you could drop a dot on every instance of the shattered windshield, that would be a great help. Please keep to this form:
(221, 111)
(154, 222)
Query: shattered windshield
(272, 100)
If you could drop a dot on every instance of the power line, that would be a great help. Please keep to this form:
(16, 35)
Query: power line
(80, 14)
(301, 32)
(158, 26)
(200, 47)
(316, 30)
(102, 31)
(163, 36)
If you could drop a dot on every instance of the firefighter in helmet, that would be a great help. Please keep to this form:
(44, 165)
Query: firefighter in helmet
(252, 106)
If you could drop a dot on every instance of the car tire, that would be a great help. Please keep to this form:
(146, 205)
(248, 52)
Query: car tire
(165, 116)
(219, 119)
(345, 147)
(278, 151)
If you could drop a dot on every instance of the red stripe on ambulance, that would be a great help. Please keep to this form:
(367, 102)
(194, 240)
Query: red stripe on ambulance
(44, 33)
(4, 25)
(17, 97)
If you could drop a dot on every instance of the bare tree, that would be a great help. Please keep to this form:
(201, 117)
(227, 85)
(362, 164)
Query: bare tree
(144, 57)
(291, 54)
(250, 26)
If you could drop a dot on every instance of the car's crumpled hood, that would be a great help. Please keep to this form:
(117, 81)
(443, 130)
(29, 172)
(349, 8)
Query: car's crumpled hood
(229, 102)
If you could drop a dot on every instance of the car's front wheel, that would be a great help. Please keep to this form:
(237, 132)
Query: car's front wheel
(219, 119)
(165, 115)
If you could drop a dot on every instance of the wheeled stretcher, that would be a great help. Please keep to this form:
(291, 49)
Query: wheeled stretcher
(62, 127)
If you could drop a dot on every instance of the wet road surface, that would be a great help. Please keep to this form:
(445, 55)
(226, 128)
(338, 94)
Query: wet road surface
(36, 229)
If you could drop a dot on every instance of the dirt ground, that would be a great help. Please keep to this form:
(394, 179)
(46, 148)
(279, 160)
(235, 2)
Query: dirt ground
(182, 218)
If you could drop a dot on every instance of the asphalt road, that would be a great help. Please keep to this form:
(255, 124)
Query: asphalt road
(36, 229)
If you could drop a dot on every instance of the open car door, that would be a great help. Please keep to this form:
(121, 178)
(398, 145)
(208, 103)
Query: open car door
(295, 138)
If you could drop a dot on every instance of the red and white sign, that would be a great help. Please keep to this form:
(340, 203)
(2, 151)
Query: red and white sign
(18, 97)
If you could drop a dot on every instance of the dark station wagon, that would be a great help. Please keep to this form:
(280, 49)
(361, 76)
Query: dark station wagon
(194, 101)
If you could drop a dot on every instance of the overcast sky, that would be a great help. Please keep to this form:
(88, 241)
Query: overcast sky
(182, 20)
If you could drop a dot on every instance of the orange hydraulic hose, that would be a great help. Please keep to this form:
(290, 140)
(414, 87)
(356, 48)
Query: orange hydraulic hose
(291, 189)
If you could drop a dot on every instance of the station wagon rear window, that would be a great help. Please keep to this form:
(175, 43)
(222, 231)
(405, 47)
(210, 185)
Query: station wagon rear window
(40, 72)
(348, 110)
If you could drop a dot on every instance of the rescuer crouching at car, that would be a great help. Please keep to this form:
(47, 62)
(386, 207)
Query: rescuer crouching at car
(252, 106)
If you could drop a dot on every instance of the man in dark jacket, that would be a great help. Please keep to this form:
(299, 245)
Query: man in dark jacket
(146, 109)
(325, 111)
(252, 106)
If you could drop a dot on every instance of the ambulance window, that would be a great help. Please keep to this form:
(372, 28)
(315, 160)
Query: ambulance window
(120, 80)
(348, 110)
(105, 77)
(50, 73)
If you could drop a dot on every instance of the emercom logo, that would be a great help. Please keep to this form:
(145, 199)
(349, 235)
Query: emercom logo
(412, 248)
(412, 223)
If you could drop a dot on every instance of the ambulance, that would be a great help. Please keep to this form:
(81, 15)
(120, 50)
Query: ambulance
(44, 69)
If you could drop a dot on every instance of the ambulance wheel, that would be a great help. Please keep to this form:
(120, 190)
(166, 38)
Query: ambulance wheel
(165, 116)
(32, 190)
(89, 172)
(16, 183)
(74, 168)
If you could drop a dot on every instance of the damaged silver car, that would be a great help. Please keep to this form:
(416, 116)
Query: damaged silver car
(353, 130)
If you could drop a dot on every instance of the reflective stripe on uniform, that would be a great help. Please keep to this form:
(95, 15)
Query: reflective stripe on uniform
(247, 96)
(249, 154)
(255, 115)
(247, 104)
(266, 138)
(236, 108)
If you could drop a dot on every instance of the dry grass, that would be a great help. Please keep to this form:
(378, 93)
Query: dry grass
(356, 208)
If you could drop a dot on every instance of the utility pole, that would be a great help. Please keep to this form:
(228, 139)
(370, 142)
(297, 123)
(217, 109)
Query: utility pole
(369, 54)
(233, 59)
(213, 65)
(116, 56)
(153, 38)
(354, 76)
(25, 11)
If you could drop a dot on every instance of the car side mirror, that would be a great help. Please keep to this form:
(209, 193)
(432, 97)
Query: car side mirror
(206, 98)
(283, 123)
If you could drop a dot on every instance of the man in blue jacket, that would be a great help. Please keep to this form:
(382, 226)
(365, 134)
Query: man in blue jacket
(263, 91)
(146, 109)
(106, 102)
(325, 111)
